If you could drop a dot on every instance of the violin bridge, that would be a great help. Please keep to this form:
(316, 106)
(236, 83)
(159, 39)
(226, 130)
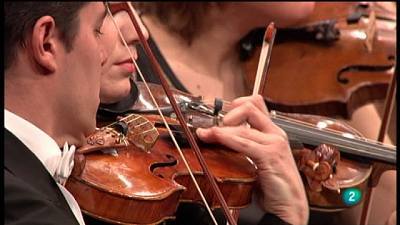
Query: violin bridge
(141, 132)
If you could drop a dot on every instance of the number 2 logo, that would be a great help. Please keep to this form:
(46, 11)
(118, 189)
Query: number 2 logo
(351, 196)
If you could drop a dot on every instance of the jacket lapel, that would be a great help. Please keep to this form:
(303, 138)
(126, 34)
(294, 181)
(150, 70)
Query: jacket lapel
(21, 162)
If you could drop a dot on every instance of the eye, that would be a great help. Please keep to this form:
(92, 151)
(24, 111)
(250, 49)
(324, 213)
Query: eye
(98, 32)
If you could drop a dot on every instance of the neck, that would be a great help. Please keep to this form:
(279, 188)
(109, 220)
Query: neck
(222, 40)
(212, 54)
(38, 107)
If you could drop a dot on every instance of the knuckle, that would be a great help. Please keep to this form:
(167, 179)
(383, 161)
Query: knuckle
(244, 144)
(242, 131)
(249, 106)
(259, 99)
(279, 141)
(237, 101)
(282, 133)
(217, 132)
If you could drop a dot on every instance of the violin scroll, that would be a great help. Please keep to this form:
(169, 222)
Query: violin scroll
(318, 165)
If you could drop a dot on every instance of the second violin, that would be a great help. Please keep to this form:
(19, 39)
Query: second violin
(328, 67)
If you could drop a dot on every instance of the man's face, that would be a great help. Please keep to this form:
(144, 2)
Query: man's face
(82, 67)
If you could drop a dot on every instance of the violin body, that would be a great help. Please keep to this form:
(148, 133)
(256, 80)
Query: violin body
(331, 77)
(324, 192)
(131, 185)
(122, 188)
(335, 10)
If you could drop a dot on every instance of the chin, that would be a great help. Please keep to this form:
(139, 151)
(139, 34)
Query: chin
(123, 92)
(115, 93)
(115, 97)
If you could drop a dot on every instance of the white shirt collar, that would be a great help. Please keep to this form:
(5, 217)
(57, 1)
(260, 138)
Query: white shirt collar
(41, 144)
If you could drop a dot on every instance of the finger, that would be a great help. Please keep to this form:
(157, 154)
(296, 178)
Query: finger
(239, 144)
(252, 143)
(248, 112)
(241, 131)
(257, 100)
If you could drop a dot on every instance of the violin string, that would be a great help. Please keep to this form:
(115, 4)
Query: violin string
(339, 139)
(312, 126)
(111, 124)
(163, 118)
(210, 102)
(334, 135)
(332, 131)
(338, 142)
(344, 142)
(307, 124)
(328, 132)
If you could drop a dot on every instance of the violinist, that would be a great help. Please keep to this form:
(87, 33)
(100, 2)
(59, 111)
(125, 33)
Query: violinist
(282, 195)
(70, 68)
(53, 57)
(220, 76)
(198, 42)
(197, 45)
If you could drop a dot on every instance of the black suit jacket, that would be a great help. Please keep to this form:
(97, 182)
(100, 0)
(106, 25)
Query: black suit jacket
(31, 195)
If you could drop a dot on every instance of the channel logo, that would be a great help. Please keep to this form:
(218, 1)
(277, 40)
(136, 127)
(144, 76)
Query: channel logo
(351, 196)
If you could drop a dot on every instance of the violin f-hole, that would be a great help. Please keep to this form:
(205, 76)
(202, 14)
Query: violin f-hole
(360, 68)
(172, 162)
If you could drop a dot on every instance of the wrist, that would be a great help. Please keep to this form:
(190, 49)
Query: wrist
(288, 200)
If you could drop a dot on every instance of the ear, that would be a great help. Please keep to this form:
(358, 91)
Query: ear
(43, 44)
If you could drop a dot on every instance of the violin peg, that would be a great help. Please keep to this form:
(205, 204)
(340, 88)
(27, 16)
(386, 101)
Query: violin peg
(218, 103)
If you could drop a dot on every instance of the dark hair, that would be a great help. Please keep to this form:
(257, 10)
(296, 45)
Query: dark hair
(20, 18)
(183, 18)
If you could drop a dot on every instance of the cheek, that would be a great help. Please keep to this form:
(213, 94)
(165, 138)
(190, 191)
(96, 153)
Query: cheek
(106, 83)
(91, 69)
(95, 72)
(105, 70)
(110, 35)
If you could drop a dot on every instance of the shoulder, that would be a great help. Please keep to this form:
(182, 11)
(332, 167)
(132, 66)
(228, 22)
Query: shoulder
(25, 205)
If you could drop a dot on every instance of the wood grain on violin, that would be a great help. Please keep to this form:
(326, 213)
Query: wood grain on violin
(127, 184)
(328, 67)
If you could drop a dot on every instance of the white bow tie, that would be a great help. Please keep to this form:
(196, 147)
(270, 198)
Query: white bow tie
(65, 164)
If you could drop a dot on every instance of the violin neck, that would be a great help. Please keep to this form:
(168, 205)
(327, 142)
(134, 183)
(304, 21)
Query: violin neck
(345, 142)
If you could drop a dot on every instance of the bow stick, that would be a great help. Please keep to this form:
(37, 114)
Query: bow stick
(265, 56)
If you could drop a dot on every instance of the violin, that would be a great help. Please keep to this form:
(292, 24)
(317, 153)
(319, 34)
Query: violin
(136, 176)
(343, 156)
(327, 67)
(353, 11)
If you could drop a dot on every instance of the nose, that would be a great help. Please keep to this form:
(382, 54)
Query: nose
(128, 30)
(108, 40)
(142, 27)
